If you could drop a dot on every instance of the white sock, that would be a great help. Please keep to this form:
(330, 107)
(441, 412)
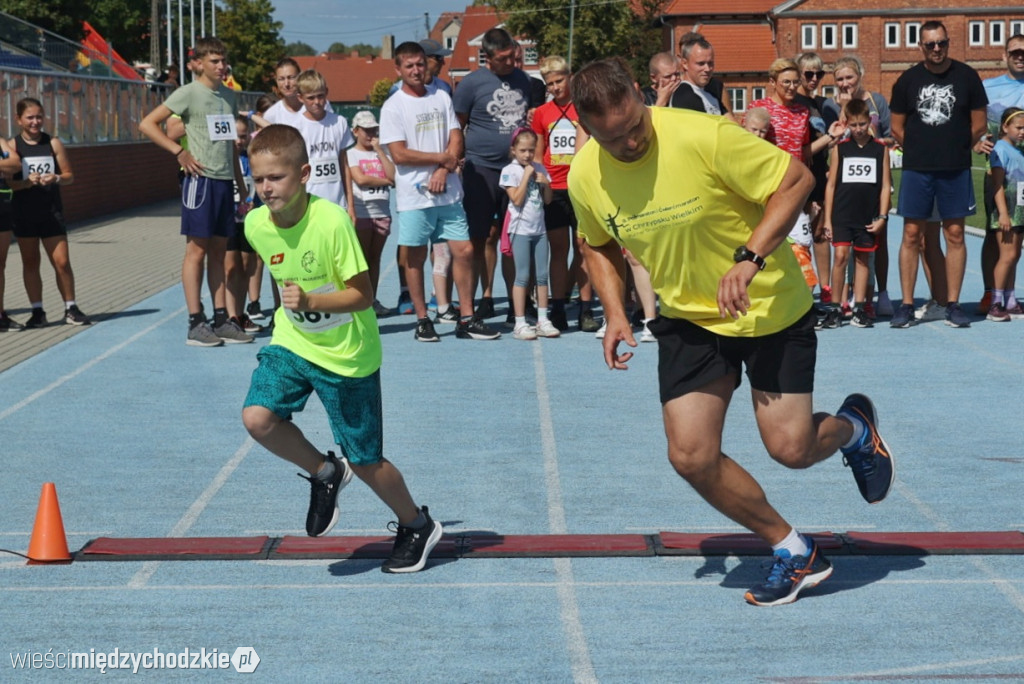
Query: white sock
(542, 313)
(520, 321)
(794, 543)
(858, 430)
(68, 304)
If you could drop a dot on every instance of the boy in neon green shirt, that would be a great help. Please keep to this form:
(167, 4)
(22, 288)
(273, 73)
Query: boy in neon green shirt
(325, 340)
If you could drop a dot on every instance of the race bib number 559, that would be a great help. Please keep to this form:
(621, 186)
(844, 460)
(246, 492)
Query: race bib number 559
(859, 170)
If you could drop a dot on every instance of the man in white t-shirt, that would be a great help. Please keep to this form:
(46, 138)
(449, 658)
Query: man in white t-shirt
(425, 141)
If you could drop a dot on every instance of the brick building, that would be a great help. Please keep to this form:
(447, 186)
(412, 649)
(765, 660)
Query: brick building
(749, 34)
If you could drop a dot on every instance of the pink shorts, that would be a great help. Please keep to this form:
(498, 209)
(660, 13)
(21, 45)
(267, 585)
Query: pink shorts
(381, 225)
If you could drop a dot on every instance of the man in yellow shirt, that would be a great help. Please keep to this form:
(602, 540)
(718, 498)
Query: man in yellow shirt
(703, 205)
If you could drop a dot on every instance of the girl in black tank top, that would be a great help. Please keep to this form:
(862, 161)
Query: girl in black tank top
(38, 217)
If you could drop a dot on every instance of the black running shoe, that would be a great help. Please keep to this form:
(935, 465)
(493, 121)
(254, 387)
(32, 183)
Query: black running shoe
(475, 329)
(412, 547)
(587, 322)
(485, 309)
(8, 324)
(425, 331)
(557, 317)
(323, 497)
(870, 459)
(789, 575)
(255, 312)
(74, 316)
(37, 319)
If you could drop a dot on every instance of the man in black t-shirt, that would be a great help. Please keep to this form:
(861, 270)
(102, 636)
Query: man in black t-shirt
(699, 90)
(938, 114)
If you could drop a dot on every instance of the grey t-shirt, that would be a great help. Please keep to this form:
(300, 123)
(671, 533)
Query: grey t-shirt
(206, 113)
(496, 106)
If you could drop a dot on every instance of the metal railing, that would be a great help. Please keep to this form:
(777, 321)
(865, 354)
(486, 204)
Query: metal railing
(83, 110)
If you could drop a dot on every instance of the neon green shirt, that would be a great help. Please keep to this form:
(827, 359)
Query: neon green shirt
(318, 254)
(684, 208)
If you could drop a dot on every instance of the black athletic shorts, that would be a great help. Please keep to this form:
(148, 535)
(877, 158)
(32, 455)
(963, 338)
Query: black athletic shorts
(690, 357)
(559, 213)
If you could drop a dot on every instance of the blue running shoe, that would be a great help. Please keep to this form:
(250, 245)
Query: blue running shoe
(904, 317)
(789, 575)
(405, 303)
(870, 459)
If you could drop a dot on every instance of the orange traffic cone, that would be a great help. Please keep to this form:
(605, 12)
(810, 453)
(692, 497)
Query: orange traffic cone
(48, 543)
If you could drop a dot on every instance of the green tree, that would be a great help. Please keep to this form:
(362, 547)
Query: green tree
(254, 44)
(299, 49)
(625, 28)
(362, 49)
(63, 17)
(379, 91)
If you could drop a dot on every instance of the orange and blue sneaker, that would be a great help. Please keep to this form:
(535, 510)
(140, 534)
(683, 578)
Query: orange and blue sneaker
(870, 458)
(789, 575)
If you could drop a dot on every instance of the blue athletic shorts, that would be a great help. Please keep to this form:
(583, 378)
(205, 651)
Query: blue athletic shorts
(419, 227)
(283, 381)
(207, 207)
(950, 192)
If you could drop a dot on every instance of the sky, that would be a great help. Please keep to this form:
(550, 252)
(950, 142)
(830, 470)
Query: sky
(321, 23)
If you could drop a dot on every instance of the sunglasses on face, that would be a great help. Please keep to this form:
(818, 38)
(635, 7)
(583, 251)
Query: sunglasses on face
(1016, 54)
(932, 44)
(812, 75)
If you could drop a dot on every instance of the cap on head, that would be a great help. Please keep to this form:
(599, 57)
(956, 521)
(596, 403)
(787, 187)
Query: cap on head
(364, 119)
(431, 48)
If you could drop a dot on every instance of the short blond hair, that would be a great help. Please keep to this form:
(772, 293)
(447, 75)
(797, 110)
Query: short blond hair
(757, 116)
(555, 64)
(780, 65)
(310, 81)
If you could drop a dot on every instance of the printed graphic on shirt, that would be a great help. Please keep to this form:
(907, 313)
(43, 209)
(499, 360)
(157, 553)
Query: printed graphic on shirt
(507, 107)
(935, 104)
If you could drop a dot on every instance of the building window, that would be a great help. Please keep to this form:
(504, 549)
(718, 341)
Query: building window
(737, 99)
(975, 33)
(849, 35)
(996, 35)
(828, 91)
(449, 42)
(892, 35)
(913, 33)
(828, 36)
(808, 37)
(530, 55)
(481, 57)
(757, 93)
(1017, 28)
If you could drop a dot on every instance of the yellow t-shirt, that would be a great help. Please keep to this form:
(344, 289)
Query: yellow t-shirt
(319, 254)
(684, 208)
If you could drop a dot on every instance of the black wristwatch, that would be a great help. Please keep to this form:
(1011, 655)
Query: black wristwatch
(744, 254)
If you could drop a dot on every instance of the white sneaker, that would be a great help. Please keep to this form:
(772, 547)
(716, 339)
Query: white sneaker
(930, 311)
(884, 305)
(525, 332)
(646, 335)
(546, 328)
(602, 330)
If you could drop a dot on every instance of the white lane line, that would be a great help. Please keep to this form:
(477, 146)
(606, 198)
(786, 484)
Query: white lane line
(1014, 595)
(144, 574)
(417, 586)
(569, 609)
(86, 366)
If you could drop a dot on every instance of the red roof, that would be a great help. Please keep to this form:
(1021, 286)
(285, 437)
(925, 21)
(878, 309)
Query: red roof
(349, 78)
(740, 47)
(719, 9)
